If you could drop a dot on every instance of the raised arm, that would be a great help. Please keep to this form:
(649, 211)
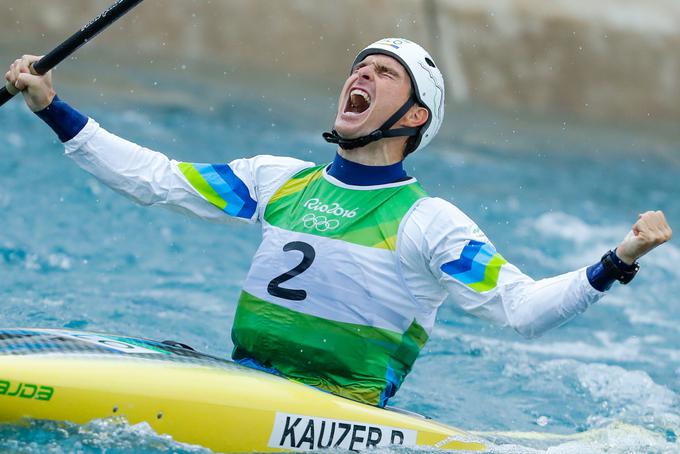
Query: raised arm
(466, 264)
(217, 192)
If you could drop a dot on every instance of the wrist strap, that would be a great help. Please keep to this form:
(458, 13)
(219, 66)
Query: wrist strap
(615, 268)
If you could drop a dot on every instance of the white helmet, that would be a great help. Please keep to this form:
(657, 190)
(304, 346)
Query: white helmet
(428, 90)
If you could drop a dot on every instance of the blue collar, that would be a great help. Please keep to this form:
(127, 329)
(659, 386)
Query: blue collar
(362, 175)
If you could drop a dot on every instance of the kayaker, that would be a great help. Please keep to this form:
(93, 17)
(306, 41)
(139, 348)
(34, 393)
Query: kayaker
(356, 258)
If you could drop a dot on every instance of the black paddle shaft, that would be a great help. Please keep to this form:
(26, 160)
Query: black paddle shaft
(78, 39)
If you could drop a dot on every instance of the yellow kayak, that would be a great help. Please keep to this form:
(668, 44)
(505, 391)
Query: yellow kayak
(195, 398)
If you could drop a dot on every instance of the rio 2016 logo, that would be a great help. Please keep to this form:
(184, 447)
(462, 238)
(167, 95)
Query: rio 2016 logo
(329, 208)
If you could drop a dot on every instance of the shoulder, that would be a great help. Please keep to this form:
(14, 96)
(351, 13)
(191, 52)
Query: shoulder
(272, 164)
(267, 173)
(435, 218)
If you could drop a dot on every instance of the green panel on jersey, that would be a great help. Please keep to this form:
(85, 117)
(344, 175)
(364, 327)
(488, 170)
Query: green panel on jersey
(308, 203)
(343, 358)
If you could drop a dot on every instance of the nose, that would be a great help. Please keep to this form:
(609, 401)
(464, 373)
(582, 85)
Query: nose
(365, 72)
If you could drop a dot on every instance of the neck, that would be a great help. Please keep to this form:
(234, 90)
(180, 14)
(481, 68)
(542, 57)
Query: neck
(384, 152)
(359, 174)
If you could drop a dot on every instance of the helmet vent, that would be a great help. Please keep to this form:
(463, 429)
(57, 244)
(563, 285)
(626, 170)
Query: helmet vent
(429, 62)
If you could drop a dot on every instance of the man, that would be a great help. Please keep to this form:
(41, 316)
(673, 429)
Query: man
(355, 258)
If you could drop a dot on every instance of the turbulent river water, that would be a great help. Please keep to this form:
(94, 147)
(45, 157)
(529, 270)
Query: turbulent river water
(552, 197)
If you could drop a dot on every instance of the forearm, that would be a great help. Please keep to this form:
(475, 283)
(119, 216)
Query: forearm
(534, 307)
(551, 302)
(144, 176)
(109, 158)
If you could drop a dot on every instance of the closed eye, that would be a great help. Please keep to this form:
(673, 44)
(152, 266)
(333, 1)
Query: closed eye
(384, 70)
(380, 69)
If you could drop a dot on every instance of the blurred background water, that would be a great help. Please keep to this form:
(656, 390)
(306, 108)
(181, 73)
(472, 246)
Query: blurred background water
(552, 189)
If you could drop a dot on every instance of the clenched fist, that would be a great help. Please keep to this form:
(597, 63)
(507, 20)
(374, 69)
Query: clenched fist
(37, 90)
(650, 230)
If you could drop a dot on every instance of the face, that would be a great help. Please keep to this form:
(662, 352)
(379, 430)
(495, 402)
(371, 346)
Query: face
(376, 89)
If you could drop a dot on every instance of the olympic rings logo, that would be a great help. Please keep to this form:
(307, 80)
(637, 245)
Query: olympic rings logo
(320, 223)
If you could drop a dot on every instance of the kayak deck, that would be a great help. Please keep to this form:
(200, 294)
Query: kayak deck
(195, 398)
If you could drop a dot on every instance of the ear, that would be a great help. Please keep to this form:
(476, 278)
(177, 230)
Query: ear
(416, 116)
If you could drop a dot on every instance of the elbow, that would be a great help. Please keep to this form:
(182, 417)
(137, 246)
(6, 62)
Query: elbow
(527, 330)
(143, 198)
(532, 321)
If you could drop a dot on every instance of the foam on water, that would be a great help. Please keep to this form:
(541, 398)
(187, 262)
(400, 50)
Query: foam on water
(106, 435)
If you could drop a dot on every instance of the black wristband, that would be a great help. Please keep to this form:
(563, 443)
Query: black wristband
(615, 270)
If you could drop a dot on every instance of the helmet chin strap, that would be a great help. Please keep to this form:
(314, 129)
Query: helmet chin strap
(382, 132)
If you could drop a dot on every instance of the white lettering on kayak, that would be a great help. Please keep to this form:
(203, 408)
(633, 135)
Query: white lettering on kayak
(308, 433)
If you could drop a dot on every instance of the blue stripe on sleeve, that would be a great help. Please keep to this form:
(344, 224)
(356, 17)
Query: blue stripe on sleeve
(230, 188)
(476, 273)
(464, 263)
(249, 205)
(471, 266)
(222, 188)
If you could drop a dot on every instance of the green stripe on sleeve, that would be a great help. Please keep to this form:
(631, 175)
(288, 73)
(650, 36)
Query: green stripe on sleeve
(493, 269)
(201, 185)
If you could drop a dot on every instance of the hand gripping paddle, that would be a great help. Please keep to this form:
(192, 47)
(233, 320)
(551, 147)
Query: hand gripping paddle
(78, 39)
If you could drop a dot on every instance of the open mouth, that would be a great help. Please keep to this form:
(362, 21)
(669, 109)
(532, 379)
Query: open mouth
(358, 102)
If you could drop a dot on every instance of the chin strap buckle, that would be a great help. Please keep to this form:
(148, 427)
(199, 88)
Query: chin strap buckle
(376, 135)
(350, 144)
(332, 137)
(384, 131)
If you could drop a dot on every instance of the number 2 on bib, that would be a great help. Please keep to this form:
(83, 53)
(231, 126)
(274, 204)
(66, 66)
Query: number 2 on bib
(308, 254)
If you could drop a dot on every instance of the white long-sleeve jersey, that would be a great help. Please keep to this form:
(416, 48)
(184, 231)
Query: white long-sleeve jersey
(441, 251)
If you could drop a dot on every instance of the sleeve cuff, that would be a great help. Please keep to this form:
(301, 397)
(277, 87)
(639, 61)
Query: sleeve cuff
(598, 279)
(85, 134)
(66, 121)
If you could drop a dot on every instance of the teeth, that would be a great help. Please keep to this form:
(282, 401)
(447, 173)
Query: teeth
(361, 93)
